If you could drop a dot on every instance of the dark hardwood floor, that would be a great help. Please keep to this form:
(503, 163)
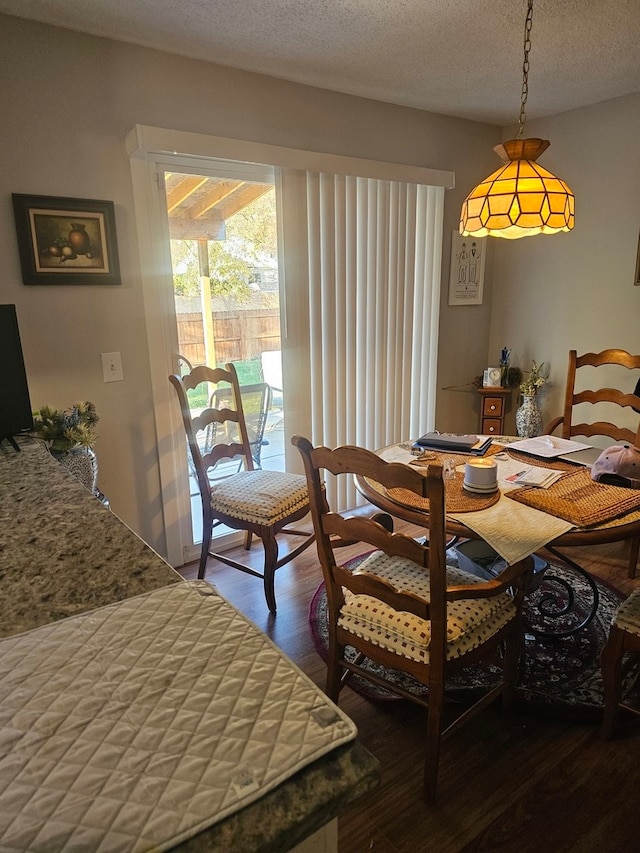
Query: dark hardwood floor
(535, 785)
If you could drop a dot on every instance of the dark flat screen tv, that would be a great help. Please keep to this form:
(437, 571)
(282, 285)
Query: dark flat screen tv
(15, 404)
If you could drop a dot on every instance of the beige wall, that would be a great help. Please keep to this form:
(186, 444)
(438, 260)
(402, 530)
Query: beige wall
(576, 291)
(68, 101)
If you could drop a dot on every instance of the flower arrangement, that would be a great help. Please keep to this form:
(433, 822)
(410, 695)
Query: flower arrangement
(65, 429)
(534, 379)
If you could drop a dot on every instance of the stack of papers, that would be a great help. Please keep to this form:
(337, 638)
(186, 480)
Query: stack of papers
(547, 446)
(542, 478)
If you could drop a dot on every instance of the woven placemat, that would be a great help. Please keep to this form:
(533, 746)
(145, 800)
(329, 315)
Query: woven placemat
(578, 499)
(457, 499)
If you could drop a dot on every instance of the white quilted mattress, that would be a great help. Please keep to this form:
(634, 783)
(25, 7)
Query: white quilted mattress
(136, 725)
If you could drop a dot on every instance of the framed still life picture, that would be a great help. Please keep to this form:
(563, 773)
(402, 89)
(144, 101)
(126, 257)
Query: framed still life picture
(66, 240)
(466, 273)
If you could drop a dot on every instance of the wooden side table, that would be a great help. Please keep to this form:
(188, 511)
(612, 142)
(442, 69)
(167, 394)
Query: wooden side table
(492, 411)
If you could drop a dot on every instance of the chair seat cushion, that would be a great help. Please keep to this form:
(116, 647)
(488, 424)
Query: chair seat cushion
(627, 617)
(262, 497)
(470, 622)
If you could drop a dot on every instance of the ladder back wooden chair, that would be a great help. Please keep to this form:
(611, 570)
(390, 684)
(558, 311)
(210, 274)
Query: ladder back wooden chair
(610, 402)
(259, 502)
(619, 653)
(403, 607)
(618, 400)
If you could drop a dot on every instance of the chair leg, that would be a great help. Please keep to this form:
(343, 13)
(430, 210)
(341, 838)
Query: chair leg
(434, 728)
(207, 522)
(633, 557)
(611, 661)
(334, 670)
(270, 564)
(248, 539)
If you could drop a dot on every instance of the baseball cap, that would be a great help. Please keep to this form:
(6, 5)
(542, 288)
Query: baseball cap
(618, 466)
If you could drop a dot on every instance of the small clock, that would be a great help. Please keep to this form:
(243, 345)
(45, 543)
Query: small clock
(492, 377)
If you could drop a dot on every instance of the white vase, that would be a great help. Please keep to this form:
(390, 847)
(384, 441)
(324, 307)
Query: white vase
(82, 463)
(529, 417)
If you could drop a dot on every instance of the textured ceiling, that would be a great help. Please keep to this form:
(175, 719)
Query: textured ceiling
(457, 57)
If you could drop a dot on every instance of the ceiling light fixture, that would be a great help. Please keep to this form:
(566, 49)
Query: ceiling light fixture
(521, 198)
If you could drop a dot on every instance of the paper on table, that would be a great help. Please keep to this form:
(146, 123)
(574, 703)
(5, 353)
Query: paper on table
(513, 534)
(397, 453)
(547, 446)
(542, 478)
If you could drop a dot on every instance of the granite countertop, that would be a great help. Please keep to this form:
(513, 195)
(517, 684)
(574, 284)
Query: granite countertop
(63, 552)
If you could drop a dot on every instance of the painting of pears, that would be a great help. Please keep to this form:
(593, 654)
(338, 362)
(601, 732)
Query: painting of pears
(64, 242)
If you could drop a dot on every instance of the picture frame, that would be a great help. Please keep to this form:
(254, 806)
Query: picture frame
(466, 273)
(66, 240)
(637, 279)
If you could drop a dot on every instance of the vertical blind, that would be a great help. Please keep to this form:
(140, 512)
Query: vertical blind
(373, 257)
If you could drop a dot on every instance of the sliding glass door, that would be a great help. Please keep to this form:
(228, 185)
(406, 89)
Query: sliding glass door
(357, 267)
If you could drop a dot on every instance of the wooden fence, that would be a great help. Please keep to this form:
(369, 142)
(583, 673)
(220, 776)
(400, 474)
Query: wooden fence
(239, 335)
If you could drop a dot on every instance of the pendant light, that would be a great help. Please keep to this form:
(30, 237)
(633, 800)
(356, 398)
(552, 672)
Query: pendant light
(521, 198)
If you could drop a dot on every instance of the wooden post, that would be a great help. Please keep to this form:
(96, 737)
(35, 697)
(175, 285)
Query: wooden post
(205, 301)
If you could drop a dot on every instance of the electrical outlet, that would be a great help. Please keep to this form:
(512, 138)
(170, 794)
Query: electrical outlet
(112, 367)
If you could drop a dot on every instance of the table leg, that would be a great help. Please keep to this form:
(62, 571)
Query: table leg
(547, 600)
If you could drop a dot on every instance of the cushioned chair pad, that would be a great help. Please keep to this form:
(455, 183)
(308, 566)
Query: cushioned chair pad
(262, 497)
(469, 622)
(628, 616)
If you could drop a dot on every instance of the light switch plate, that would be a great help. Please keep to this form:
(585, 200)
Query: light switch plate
(112, 367)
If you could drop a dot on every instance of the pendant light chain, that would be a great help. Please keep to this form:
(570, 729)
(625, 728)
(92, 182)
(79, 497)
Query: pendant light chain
(525, 70)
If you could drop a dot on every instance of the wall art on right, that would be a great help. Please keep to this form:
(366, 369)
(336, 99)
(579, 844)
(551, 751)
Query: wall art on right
(466, 273)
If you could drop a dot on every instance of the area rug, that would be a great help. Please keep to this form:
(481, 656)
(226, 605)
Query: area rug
(560, 676)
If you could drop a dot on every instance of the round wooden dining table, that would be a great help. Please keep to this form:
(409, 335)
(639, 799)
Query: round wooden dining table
(619, 529)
